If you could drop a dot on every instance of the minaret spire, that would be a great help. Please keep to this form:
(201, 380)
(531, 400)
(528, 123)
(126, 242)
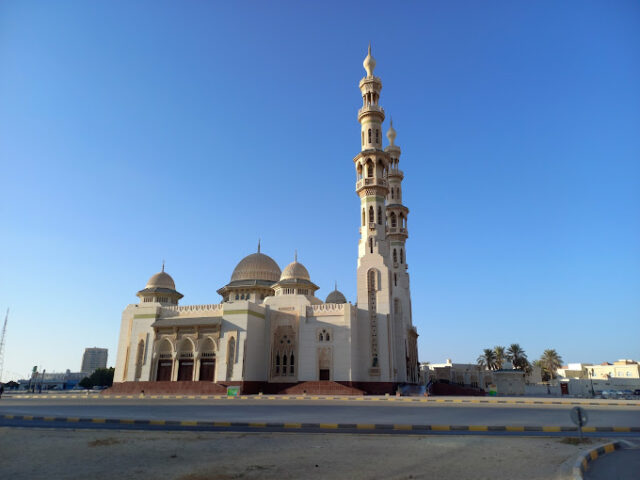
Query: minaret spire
(258, 244)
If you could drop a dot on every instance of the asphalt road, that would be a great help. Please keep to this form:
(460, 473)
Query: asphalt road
(321, 411)
(619, 465)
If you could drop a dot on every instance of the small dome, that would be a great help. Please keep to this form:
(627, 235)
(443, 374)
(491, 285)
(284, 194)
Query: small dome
(256, 266)
(336, 297)
(295, 270)
(161, 280)
(369, 63)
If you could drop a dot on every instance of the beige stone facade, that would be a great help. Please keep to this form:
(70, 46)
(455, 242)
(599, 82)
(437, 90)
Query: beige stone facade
(270, 328)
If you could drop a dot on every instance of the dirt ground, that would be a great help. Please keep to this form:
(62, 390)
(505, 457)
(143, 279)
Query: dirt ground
(107, 454)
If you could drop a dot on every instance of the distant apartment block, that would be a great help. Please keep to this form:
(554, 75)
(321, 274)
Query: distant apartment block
(93, 359)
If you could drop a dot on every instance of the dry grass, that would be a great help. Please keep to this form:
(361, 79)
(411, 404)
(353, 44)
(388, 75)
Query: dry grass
(104, 442)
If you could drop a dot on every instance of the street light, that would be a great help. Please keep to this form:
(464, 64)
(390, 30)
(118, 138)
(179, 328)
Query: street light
(590, 372)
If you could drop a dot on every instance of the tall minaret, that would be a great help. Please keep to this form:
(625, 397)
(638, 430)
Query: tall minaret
(374, 287)
(404, 335)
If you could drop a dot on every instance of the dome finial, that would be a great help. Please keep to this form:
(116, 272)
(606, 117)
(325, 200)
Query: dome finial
(295, 255)
(391, 133)
(163, 264)
(336, 285)
(258, 244)
(369, 62)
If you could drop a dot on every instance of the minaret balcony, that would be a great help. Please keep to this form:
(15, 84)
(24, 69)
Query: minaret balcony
(397, 231)
(367, 109)
(371, 182)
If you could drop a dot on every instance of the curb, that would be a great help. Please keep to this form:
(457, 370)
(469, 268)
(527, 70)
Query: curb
(328, 397)
(319, 426)
(582, 464)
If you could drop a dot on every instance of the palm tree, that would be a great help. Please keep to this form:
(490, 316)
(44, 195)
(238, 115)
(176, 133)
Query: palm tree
(518, 357)
(487, 359)
(550, 361)
(500, 356)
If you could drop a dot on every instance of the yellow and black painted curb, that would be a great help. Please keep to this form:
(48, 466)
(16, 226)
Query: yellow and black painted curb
(483, 400)
(377, 427)
(582, 464)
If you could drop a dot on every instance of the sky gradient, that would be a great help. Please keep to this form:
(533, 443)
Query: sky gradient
(132, 132)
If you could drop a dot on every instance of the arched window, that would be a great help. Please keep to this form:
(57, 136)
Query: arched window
(369, 135)
(231, 356)
(401, 256)
(379, 215)
(377, 136)
(371, 219)
(371, 244)
(284, 364)
(328, 337)
(395, 279)
(277, 364)
(363, 138)
(369, 169)
(292, 364)
(359, 170)
(392, 193)
(321, 337)
(139, 358)
(237, 296)
(395, 256)
(393, 220)
(363, 217)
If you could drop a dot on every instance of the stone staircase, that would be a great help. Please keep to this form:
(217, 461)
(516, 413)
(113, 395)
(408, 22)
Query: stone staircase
(321, 388)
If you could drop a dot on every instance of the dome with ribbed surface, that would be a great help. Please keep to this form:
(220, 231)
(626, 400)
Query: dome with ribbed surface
(256, 266)
(161, 280)
(295, 270)
(336, 297)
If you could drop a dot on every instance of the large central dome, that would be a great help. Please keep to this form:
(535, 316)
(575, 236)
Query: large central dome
(256, 266)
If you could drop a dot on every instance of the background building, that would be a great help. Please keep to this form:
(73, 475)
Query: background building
(93, 359)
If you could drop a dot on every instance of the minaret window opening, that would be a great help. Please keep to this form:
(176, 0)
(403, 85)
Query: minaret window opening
(371, 219)
(395, 279)
(359, 170)
(392, 193)
(370, 245)
(369, 135)
(395, 256)
(362, 138)
(393, 220)
(363, 217)
(401, 256)
(377, 136)
(369, 168)
(379, 215)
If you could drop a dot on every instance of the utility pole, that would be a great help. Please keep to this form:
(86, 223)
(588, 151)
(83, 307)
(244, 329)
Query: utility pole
(2, 338)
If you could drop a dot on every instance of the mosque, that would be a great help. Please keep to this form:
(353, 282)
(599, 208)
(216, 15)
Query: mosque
(270, 333)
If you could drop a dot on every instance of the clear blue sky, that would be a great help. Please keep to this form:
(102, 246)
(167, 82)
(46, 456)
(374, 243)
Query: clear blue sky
(136, 131)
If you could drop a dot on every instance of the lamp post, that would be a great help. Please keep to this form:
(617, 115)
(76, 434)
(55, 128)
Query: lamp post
(590, 372)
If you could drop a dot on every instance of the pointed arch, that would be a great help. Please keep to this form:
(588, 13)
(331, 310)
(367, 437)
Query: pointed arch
(393, 220)
(371, 219)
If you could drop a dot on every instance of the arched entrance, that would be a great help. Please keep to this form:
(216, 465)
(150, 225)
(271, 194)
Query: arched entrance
(165, 362)
(207, 361)
(185, 361)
